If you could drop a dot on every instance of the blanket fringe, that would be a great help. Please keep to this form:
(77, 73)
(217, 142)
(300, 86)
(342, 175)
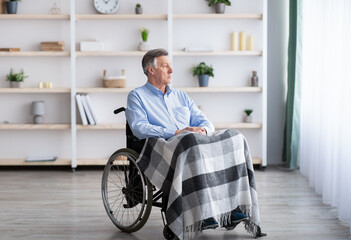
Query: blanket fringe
(250, 226)
(193, 230)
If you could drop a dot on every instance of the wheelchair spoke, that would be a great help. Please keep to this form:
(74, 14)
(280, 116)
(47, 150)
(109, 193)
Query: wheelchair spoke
(127, 197)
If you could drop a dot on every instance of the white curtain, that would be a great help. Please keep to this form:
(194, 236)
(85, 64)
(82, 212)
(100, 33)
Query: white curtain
(325, 137)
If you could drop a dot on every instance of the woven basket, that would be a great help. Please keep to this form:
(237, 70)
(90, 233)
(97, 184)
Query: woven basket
(114, 83)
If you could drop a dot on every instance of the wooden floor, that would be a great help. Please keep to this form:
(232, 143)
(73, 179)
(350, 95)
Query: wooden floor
(59, 204)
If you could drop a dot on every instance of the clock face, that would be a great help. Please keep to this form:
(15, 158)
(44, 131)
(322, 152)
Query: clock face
(106, 6)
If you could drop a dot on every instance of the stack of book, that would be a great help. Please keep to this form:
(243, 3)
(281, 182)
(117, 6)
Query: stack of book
(86, 110)
(9, 49)
(53, 46)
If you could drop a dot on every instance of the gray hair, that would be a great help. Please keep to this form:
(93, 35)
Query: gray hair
(149, 58)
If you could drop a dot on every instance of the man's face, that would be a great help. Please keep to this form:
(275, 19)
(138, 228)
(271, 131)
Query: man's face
(163, 72)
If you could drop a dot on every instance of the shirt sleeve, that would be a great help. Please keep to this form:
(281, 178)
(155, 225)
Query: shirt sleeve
(138, 120)
(197, 118)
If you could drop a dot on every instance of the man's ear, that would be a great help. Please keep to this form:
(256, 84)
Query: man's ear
(150, 70)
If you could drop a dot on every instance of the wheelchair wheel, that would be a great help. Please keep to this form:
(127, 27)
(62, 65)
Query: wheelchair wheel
(126, 193)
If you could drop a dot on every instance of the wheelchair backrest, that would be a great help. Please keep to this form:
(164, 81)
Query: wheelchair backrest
(132, 141)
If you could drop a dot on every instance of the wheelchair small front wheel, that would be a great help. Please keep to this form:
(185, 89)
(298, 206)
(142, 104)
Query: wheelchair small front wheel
(126, 192)
(168, 234)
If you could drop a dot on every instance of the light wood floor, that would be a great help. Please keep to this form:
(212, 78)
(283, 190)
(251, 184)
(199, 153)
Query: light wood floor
(59, 204)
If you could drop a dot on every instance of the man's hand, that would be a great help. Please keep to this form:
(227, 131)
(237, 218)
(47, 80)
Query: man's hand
(200, 130)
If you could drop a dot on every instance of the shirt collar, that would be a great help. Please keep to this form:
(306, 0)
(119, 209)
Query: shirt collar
(157, 91)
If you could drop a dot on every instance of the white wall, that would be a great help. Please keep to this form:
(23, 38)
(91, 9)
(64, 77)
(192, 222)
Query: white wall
(278, 14)
(59, 68)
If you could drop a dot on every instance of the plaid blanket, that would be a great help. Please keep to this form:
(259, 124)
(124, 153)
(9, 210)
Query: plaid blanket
(205, 176)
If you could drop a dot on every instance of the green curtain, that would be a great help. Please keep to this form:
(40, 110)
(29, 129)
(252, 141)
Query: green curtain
(292, 115)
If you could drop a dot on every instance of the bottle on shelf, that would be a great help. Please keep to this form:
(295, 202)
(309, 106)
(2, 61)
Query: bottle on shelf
(254, 79)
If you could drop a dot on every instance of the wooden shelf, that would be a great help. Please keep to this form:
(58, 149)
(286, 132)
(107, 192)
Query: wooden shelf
(186, 89)
(35, 90)
(130, 16)
(11, 126)
(67, 162)
(219, 16)
(34, 54)
(220, 89)
(125, 53)
(103, 126)
(109, 53)
(122, 126)
(103, 161)
(92, 162)
(35, 16)
(238, 125)
(103, 90)
(256, 161)
(218, 53)
(22, 162)
(121, 17)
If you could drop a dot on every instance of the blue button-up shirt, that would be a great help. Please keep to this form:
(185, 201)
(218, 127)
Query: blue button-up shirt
(151, 113)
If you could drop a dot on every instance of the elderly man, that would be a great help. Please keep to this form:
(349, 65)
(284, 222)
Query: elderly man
(156, 110)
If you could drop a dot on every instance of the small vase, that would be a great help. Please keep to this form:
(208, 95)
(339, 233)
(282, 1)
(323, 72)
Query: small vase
(11, 7)
(219, 7)
(144, 46)
(248, 119)
(38, 119)
(254, 79)
(138, 10)
(203, 80)
(15, 84)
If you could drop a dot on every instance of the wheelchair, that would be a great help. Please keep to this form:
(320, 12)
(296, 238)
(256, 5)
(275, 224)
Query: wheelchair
(127, 194)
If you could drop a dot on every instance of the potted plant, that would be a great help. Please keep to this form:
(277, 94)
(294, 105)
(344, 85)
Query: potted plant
(11, 6)
(203, 71)
(219, 5)
(248, 117)
(16, 78)
(144, 45)
(138, 9)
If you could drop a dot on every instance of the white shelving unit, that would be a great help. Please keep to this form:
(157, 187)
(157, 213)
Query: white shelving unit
(80, 82)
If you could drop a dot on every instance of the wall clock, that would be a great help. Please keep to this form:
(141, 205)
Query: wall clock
(106, 6)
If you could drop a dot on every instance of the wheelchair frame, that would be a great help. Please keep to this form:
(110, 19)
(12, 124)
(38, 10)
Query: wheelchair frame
(127, 194)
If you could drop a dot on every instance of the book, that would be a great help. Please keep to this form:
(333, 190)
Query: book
(2, 6)
(59, 43)
(83, 117)
(53, 49)
(52, 46)
(41, 159)
(87, 111)
(9, 49)
(91, 108)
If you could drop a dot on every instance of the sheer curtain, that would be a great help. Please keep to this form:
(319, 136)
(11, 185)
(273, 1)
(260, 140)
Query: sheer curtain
(325, 133)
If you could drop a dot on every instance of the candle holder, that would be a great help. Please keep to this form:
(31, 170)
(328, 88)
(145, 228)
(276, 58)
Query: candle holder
(38, 110)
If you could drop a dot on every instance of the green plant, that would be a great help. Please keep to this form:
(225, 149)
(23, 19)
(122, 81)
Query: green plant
(248, 111)
(138, 5)
(213, 2)
(144, 33)
(202, 69)
(16, 77)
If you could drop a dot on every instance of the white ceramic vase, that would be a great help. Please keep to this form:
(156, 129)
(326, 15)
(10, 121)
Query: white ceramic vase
(144, 46)
(248, 119)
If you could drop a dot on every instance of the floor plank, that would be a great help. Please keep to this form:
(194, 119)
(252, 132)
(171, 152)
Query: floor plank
(58, 204)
